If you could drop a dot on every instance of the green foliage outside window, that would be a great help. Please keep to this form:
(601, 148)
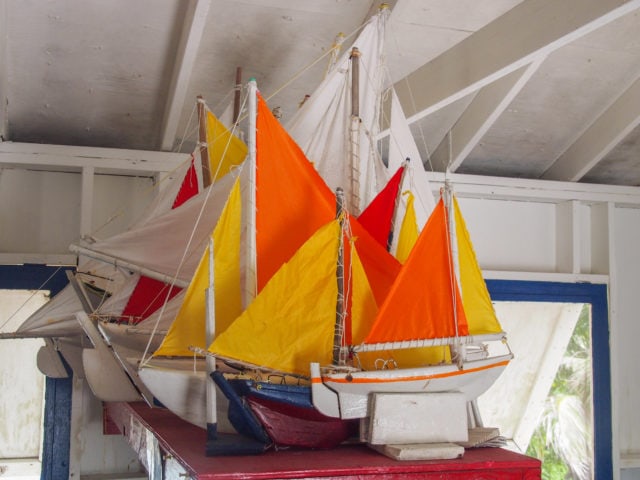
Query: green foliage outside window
(563, 439)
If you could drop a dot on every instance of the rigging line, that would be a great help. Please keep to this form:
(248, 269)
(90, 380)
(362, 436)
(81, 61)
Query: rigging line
(145, 360)
(308, 66)
(413, 103)
(103, 297)
(119, 212)
(156, 297)
(335, 52)
(33, 294)
(223, 100)
(226, 147)
(346, 231)
(450, 145)
(188, 244)
(421, 135)
(179, 268)
(393, 137)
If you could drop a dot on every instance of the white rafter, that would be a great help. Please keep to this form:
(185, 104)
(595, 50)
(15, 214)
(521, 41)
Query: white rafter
(103, 160)
(485, 108)
(192, 30)
(531, 29)
(599, 138)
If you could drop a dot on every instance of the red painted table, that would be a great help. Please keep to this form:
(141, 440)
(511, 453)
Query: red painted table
(186, 443)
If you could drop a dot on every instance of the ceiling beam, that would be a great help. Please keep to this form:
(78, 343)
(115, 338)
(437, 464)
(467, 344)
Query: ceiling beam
(530, 29)
(522, 189)
(193, 27)
(485, 108)
(4, 94)
(607, 131)
(113, 161)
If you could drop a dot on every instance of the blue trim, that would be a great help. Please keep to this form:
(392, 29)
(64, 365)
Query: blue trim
(597, 296)
(33, 277)
(56, 443)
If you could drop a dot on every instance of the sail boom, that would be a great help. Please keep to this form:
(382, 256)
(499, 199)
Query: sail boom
(117, 262)
(429, 342)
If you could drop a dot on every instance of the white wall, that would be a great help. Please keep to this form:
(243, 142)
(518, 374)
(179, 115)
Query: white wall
(626, 331)
(41, 211)
(512, 235)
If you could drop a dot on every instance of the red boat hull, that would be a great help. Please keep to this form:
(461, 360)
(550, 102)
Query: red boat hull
(294, 426)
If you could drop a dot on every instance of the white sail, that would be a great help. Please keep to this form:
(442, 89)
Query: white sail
(321, 126)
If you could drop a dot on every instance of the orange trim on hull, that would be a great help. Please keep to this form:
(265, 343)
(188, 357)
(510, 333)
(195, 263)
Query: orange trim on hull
(413, 378)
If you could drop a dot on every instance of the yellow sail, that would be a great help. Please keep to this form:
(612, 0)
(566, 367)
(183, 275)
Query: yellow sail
(188, 329)
(225, 149)
(363, 303)
(408, 230)
(291, 321)
(481, 317)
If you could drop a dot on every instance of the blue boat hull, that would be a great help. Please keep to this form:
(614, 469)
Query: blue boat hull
(287, 415)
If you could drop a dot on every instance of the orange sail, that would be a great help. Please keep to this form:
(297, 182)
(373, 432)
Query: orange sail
(293, 202)
(425, 301)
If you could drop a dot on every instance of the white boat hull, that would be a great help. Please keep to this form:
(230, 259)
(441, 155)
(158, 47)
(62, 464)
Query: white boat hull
(182, 391)
(122, 335)
(347, 394)
(180, 385)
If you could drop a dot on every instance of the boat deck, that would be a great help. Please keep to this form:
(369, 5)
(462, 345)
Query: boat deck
(185, 444)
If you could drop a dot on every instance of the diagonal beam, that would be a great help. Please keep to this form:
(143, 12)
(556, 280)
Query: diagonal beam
(485, 108)
(195, 22)
(607, 131)
(530, 29)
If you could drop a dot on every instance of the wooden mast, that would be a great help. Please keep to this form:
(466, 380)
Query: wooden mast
(338, 332)
(397, 204)
(354, 134)
(236, 95)
(202, 139)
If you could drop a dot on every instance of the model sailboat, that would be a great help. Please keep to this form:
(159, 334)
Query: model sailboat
(286, 202)
(281, 332)
(439, 299)
(428, 334)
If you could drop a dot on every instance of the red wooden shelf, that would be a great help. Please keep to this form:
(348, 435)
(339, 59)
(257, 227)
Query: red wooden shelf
(186, 443)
